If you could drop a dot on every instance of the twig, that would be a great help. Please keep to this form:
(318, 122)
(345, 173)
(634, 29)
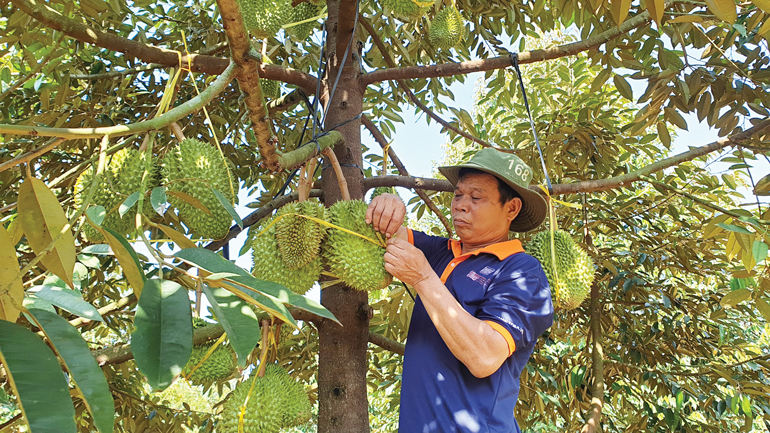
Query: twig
(379, 138)
(21, 159)
(341, 182)
(114, 74)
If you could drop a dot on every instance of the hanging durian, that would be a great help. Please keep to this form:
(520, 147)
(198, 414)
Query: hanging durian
(265, 404)
(264, 18)
(271, 89)
(446, 29)
(408, 10)
(356, 261)
(304, 11)
(193, 168)
(299, 239)
(122, 177)
(219, 366)
(269, 266)
(574, 268)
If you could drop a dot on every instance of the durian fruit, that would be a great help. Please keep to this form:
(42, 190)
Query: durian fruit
(219, 366)
(380, 190)
(269, 266)
(574, 268)
(122, 177)
(446, 29)
(271, 89)
(264, 18)
(193, 168)
(355, 261)
(304, 11)
(299, 239)
(265, 404)
(408, 10)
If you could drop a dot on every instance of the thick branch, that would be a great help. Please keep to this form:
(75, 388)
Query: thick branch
(176, 113)
(462, 68)
(386, 343)
(389, 61)
(149, 54)
(248, 80)
(300, 155)
(593, 421)
(383, 142)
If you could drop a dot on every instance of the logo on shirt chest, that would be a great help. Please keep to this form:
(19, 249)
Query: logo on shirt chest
(474, 276)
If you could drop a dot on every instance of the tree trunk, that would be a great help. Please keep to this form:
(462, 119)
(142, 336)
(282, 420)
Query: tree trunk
(342, 367)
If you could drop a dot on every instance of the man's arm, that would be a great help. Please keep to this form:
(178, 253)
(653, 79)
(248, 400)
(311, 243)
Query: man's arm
(386, 214)
(472, 341)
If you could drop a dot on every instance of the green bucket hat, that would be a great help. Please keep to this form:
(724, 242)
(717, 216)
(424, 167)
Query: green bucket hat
(513, 171)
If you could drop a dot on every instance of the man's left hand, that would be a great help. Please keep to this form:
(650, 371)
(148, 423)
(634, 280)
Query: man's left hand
(405, 262)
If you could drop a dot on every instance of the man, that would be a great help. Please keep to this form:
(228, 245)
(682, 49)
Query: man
(482, 302)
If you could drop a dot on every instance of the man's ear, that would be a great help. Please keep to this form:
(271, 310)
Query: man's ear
(512, 208)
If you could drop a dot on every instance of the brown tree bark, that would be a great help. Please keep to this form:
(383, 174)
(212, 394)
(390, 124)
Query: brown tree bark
(342, 364)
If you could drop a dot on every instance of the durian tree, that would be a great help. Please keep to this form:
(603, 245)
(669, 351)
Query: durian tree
(672, 337)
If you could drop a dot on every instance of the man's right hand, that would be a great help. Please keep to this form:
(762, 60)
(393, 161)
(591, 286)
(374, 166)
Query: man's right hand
(386, 214)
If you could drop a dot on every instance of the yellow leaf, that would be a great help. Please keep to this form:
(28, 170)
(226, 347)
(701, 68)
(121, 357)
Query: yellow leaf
(764, 29)
(128, 260)
(764, 5)
(15, 231)
(181, 240)
(735, 297)
(42, 219)
(192, 201)
(11, 288)
(723, 9)
(686, 19)
(655, 7)
(763, 308)
(619, 9)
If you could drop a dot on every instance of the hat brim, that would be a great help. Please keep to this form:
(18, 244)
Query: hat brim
(533, 206)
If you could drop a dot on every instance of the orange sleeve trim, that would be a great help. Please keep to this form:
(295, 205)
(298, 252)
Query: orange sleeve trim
(504, 332)
(410, 236)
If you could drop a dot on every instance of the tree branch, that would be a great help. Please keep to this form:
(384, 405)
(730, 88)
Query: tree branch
(150, 54)
(176, 113)
(21, 159)
(402, 84)
(386, 343)
(248, 80)
(379, 138)
(462, 68)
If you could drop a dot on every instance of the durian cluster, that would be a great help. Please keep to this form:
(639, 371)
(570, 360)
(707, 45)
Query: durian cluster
(265, 404)
(122, 177)
(571, 283)
(192, 169)
(219, 366)
(264, 18)
(446, 29)
(293, 249)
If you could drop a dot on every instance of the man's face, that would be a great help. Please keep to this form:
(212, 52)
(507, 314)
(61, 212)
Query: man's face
(477, 213)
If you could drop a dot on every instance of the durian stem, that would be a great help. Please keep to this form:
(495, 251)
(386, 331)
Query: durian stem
(177, 130)
(341, 182)
(265, 348)
(306, 179)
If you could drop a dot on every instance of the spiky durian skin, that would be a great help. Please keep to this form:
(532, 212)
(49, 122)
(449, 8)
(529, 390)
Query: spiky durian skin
(193, 168)
(446, 29)
(299, 239)
(262, 411)
(264, 18)
(269, 266)
(407, 10)
(302, 12)
(218, 367)
(355, 261)
(574, 268)
(295, 402)
(122, 177)
(271, 89)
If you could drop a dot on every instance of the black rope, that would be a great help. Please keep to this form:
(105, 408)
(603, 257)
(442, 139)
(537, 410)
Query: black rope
(515, 64)
(344, 58)
(408, 291)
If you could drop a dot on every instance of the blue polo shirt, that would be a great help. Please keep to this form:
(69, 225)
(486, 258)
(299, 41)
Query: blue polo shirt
(499, 284)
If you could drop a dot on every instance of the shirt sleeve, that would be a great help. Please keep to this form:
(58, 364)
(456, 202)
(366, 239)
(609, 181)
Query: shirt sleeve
(519, 299)
(429, 245)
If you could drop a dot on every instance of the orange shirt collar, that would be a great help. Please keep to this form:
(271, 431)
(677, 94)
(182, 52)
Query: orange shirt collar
(501, 249)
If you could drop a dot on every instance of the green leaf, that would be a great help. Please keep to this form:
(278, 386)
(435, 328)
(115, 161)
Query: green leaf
(735, 297)
(158, 200)
(229, 207)
(734, 228)
(759, 250)
(98, 249)
(214, 263)
(37, 380)
(240, 323)
(69, 300)
(623, 87)
(128, 203)
(725, 10)
(96, 214)
(42, 218)
(162, 337)
(127, 258)
(11, 285)
(86, 374)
